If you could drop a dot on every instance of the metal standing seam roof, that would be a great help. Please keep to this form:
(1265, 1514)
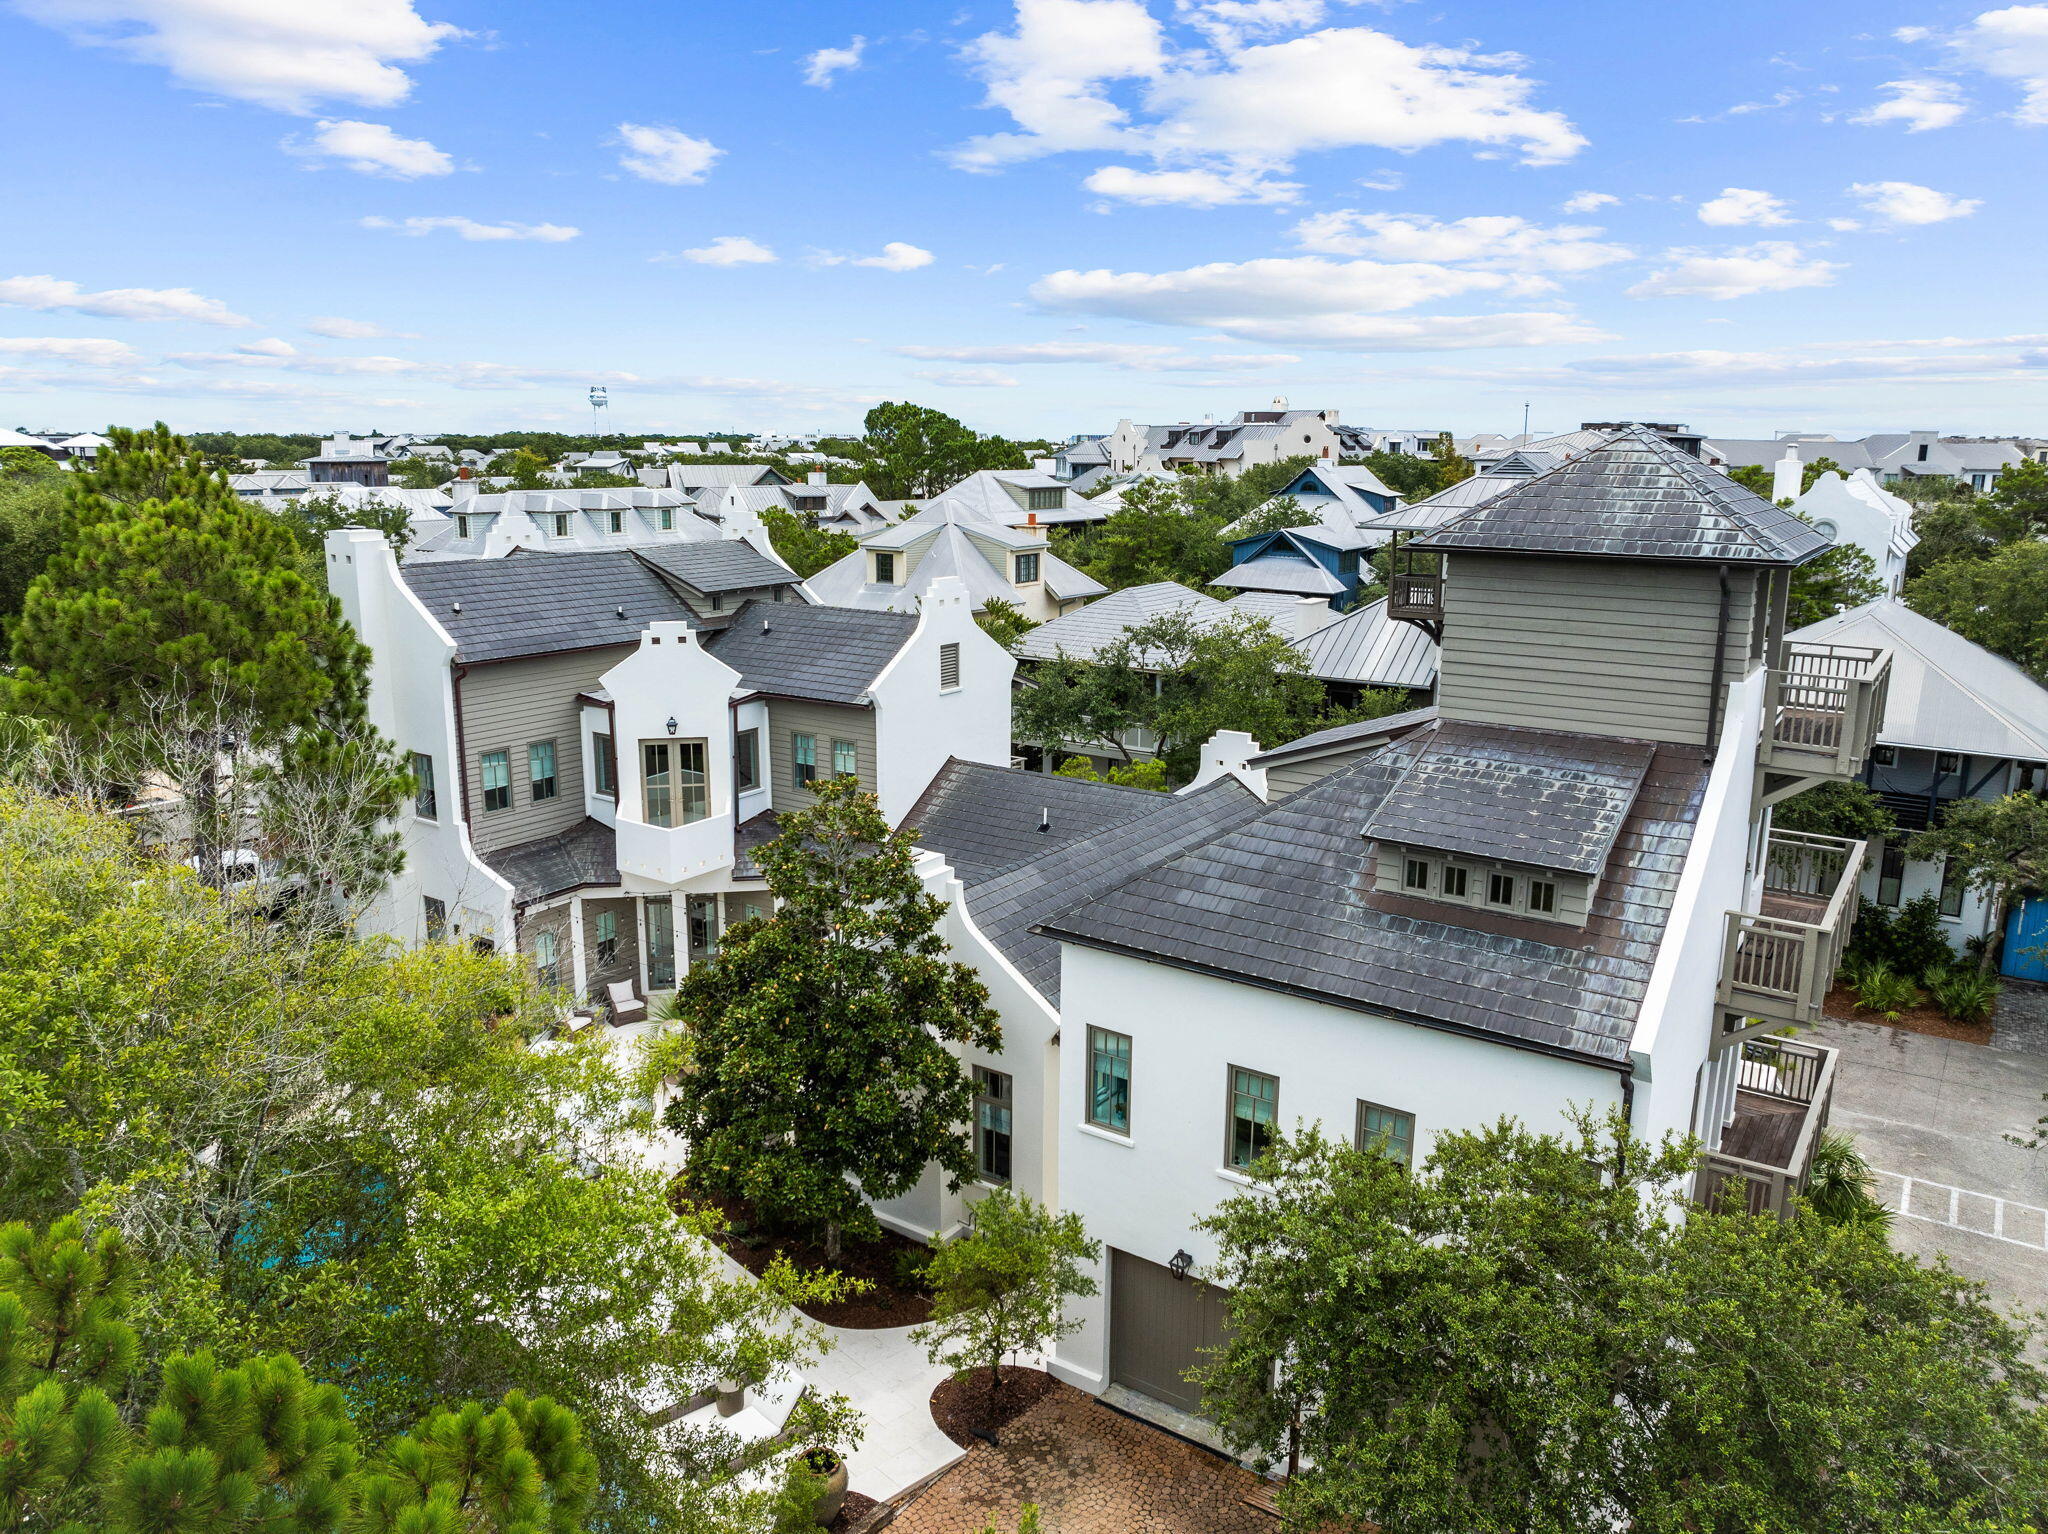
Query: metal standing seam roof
(1523, 796)
(1634, 497)
(829, 654)
(1271, 572)
(1367, 647)
(1081, 634)
(1344, 737)
(1285, 901)
(531, 603)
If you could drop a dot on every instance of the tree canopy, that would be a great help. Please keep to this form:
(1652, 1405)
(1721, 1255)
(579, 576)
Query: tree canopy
(1178, 530)
(820, 1073)
(1998, 600)
(1996, 846)
(915, 452)
(805, 547)
(1523, 1334)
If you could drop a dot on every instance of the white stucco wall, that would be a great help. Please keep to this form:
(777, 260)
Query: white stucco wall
(917, 726)
(1143, 1193)
(412, 702)
(1675, 1025)
(673, 677)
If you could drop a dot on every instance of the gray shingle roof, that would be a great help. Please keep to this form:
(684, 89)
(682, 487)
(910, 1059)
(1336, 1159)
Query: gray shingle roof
(1285, 901)
(1635, 497)
(754, 832)
(585, 854)
(985, 819)
(531, 603)
(831, 654)
(724, 564)
(1347, 736)
(1525, 796)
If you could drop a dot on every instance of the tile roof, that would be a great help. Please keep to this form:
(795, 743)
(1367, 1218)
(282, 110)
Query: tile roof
(1524, 796)
(1634, 497)
(584, 855)
(985, 819)
(831, 654)
(531, 603)
(724, 564)
(1285, 901)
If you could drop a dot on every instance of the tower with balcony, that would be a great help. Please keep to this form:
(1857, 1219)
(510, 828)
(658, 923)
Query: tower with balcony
(1636, 593)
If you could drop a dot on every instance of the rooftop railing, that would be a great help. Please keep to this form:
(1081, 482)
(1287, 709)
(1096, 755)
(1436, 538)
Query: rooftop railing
(1823, 709)
(1784, 1090)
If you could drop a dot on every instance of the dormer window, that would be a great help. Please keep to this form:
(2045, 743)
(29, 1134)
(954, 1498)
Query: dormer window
(668, 519)
(885, 569)
(618, 521)
(561, 524)
(1044, 500)
(461, 526)
(1543, 897)
(1027, 569)
(1500, 889)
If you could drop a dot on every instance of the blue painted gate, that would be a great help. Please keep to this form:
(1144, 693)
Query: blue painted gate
(2025, 955)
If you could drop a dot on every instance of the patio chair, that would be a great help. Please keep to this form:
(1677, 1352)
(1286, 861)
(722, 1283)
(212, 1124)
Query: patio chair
(626, 1007)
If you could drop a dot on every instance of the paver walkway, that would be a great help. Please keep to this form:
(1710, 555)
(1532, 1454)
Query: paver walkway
(1091, 1471)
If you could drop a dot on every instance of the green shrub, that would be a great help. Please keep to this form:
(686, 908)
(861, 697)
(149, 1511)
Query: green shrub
(1962, 992)
(795, 1508)
(913, 1265)
(1838, 1187)
(1908, 941)
(1883, 989)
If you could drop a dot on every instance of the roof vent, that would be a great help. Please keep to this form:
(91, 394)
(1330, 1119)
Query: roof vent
(458, 607)
(1045, 819)
(620, 609)
(764, 625)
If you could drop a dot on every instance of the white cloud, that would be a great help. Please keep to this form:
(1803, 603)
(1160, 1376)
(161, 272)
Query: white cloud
(1383, 181)
(1744, 205)
(1189, 188)
(1845, 225)
(1131, 355)
(287, 56)
(1903, 202)
(730, 250)
(2011, 44)
(337, 328)
(1488, 242)
(667, 155)
(1771, 266)
(820, 67)
(896, 256)
(274, 347)
(1308, 301)
(470, 229)
(86, 352)
(968, 378)
(1588, 202)
(1237, 108)
(117, 303)
(1921, 105)
(373, 150)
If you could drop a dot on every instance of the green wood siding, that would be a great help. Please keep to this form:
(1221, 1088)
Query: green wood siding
(826, 722)
(506, 706)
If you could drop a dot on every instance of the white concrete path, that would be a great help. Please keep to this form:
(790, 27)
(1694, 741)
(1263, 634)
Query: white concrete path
(885, 1375)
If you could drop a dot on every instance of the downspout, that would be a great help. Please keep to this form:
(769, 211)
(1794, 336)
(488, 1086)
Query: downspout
(1720, 656)
(457, 670)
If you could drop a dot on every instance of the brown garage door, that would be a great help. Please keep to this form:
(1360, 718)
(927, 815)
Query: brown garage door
(1160, 1326)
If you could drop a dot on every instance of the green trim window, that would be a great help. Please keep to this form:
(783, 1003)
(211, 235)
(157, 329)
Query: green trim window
(1027, 569)
(885, 568)
(1044, 500)
(546, 957)
(1254, 1113)
(604, 765)
(803, 759)
(605, 926)
(1388, 1131)
(992, 1108)
(425, 802)
(1500, 889)
(495, 768)
(1951, 889)
(845, 759)
(540, 770)
(1109, 1080)
(746, 760)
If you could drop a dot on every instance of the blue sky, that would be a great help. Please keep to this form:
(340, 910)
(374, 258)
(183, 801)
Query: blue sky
(1041, 215)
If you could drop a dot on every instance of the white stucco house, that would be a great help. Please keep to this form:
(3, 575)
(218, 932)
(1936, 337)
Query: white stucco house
(956, 539)
(1855, 510)
(1558, 885)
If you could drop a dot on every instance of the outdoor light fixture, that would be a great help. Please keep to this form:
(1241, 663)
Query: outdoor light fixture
(671, 724)
(1179, 1265)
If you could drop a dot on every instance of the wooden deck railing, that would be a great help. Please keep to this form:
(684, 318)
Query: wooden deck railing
(1783, 1071)
(1778, 961)
(1823, 709)
(1415, 584)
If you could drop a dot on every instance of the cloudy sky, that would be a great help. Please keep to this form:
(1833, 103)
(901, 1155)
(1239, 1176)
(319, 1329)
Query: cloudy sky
(1039, 214)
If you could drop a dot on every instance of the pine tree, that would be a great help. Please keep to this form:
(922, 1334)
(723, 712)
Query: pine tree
(820, 1071)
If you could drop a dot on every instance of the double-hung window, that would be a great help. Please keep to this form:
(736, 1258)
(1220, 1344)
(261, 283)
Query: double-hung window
(561, 524)
(1951, 889)
(546, 956)
(425, 803)
(746, 760)
(803, 759)
(540, 770)
(1891, 875)
(992, 1123)
(885, 568)
(497, 778)
(604, 765)
(1254, 1111)
(618, 521)
(845, 759)
(605, 927)
(668, 519)
(1027, 569)
(1387, 1131)
(1109, 1080)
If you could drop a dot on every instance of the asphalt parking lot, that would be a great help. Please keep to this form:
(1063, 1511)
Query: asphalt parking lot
(1931, 1115)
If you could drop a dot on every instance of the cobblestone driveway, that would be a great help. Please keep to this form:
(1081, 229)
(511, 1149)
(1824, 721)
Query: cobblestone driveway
(1091, 1471)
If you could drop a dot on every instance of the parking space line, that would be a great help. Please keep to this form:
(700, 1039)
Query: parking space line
(1932, 1191)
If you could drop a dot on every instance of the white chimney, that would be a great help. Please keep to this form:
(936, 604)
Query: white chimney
(815, 477)
(1786, 475)
(463, 487)
(1228, 753)
(1310, 614)
(1045, 465)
